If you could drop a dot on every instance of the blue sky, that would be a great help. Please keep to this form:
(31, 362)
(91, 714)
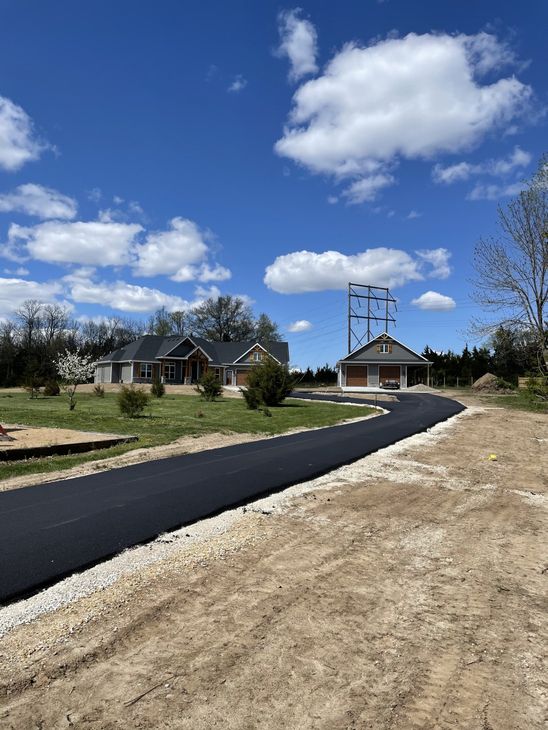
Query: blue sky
(155, 153)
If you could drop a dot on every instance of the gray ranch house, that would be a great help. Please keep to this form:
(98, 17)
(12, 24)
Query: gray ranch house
(382, 358)
(180, 360)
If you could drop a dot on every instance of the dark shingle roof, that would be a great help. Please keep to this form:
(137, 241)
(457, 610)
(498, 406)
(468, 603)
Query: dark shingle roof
(150, 347)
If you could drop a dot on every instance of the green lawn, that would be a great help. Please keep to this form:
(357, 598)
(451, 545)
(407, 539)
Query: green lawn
(164, 421)
(521, 400)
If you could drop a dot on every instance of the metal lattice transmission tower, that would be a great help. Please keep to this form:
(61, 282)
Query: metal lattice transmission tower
(369, 305)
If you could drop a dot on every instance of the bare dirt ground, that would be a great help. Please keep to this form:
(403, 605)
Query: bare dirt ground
(29, 437)
(407, 590)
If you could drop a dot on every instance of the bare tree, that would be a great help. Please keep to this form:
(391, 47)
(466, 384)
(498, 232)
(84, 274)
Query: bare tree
(54, 322)
(512, 269)
(179, 322)
(29, 319)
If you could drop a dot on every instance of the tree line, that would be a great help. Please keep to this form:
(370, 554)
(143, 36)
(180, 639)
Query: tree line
(509, 354)
(37, 334)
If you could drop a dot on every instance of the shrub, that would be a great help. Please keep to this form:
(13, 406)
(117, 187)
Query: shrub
(209, 386)
(157, 389)
(52, 388)
(132, 401)
(252, 398)
(538, 388)
(99, 391)
(32, 385)
(269, 383)
(503, 384)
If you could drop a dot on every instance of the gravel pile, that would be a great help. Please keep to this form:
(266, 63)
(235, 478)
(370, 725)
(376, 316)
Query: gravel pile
(420, 388)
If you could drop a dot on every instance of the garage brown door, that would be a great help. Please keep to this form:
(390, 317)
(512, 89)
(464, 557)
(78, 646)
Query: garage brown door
(389, 372)
(241, 377)
(356, 374)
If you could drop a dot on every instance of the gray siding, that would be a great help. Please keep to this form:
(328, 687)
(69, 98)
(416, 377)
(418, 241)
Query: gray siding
(125, 375)
(399, 354)
(373, 376)
(102, 373)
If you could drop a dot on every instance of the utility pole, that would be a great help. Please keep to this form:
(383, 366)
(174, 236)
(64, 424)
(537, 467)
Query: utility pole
(361, 300)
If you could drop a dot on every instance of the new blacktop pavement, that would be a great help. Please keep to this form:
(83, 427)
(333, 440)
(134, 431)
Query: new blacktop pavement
(50, 530)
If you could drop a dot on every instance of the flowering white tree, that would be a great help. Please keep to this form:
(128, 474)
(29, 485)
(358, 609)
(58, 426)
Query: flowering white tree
(74, 369)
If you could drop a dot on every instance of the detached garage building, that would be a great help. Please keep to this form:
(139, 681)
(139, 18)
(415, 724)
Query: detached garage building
(381, 359)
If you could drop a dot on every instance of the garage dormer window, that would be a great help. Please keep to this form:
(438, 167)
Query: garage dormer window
(384, 347)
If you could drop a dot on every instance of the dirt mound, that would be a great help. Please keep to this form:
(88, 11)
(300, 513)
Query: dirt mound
(489, 383)
(421, 388)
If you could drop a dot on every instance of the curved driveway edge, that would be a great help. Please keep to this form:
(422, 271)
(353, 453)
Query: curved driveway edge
(53, 529)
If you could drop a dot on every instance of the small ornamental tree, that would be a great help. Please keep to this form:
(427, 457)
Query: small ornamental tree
(157, 389)
(209, 387)
(268, 384)
(132, 401)
(74, 369)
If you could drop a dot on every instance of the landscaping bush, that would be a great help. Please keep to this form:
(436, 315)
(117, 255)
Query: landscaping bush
(52, 388)
(502, 384)
(157, 389)
(32, 385)
(132, 401)
(251, 398)
(268, 383)
(538, 388)
(209, 386)
(99, 391)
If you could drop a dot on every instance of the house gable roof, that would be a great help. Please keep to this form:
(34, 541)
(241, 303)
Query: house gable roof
(152, 347)
(257, 344)
(365, 352)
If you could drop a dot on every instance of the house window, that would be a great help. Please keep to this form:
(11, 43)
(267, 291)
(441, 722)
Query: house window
(169, 371)
(384, 347)
(257, 356)
(145, 370)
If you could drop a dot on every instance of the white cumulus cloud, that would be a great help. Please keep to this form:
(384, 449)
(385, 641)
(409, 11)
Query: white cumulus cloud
(301, 325)
(91, 243)
(299, 42)
(39, 201)
(18, 141)
(307, 271)
(365, 189)
(434, 301)
(494, 192)
(180, 252)
(501, 167)
(438, 258)
(13, 292)
(411, 97)
(83, 287)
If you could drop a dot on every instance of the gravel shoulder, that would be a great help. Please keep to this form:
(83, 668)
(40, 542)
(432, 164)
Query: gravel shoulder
(405, 590)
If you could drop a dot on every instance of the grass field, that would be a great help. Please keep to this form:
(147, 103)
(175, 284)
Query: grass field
(166, 419)
(521, 400)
